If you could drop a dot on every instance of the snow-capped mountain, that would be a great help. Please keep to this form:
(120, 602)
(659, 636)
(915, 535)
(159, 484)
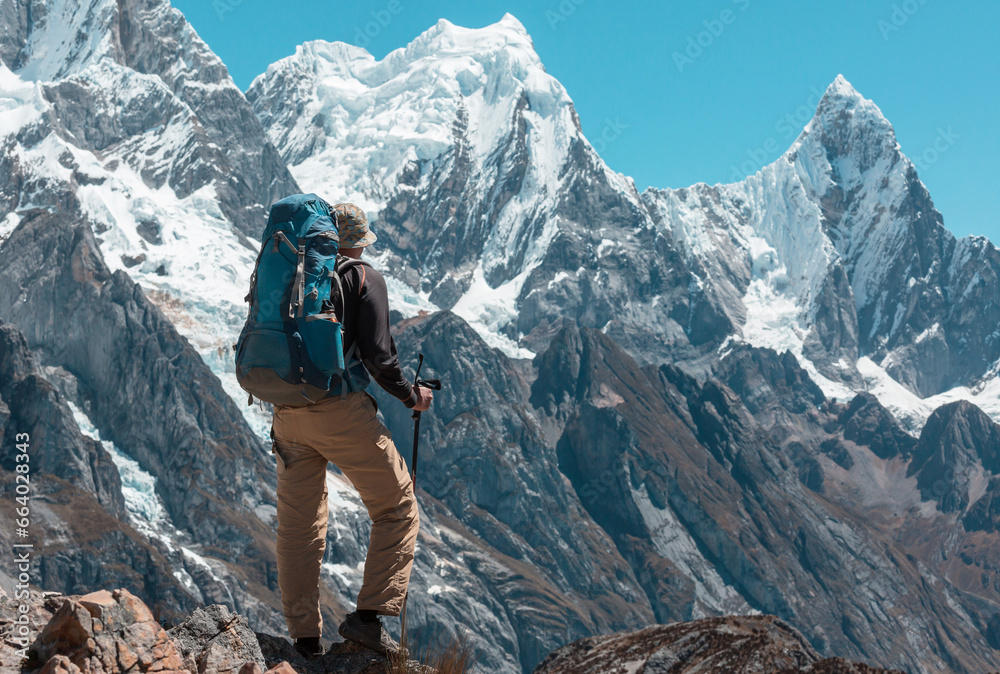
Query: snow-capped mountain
(135, 124)
(457, 144)
(685, 440)
(470, 158)
(836, 253)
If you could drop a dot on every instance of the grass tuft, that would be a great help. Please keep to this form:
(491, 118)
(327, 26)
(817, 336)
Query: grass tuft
(455, 656)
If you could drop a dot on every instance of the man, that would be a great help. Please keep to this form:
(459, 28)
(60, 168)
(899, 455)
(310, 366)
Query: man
(343, 429)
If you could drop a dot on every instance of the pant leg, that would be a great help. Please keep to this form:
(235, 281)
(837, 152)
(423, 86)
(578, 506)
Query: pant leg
(347, 432)
(302, 520)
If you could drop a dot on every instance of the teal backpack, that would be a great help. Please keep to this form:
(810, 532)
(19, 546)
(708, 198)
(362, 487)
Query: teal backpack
(291, 349)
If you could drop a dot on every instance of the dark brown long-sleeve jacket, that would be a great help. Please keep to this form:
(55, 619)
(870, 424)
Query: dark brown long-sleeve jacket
(366, 320)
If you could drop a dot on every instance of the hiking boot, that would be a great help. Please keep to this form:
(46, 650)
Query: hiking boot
(309, 647)
(370, 634)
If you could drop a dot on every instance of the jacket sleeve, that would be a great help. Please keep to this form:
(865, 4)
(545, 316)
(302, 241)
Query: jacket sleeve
(375, 344)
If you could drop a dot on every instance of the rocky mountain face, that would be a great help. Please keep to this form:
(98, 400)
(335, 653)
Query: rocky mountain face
(76, 492)
(690, 485)
(118, 369)
(958, 442)
(488, 466)
(36, 407)
(771, 396)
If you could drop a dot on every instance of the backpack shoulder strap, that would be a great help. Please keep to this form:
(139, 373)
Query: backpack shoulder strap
(344, 263)
(341, 266)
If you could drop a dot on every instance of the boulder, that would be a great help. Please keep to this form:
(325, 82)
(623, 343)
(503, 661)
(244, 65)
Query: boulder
(106, 632)
(218, 640)
(283, 668)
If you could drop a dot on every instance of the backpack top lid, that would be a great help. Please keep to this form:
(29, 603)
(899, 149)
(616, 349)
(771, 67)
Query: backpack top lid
(309, 215)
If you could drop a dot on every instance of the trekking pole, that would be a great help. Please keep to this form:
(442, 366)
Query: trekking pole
(434, 385)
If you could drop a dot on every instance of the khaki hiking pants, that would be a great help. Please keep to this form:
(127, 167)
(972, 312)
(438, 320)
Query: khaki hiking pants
(346, 432)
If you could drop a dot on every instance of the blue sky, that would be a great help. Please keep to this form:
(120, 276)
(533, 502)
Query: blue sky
(705, 91)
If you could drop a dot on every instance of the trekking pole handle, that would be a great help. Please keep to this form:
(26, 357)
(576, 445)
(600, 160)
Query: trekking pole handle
(416, 382)
(433, 384)
(420, 364)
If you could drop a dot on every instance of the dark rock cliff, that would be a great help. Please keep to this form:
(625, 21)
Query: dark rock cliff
(76, 512)
(485, 457)
(145, 389)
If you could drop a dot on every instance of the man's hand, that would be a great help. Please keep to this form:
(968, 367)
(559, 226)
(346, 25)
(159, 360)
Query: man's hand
(424, 396)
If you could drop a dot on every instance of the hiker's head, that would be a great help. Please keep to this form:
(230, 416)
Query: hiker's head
(352, 226)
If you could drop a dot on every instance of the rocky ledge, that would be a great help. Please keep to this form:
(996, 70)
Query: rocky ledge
(105, 632)
(731, 644)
